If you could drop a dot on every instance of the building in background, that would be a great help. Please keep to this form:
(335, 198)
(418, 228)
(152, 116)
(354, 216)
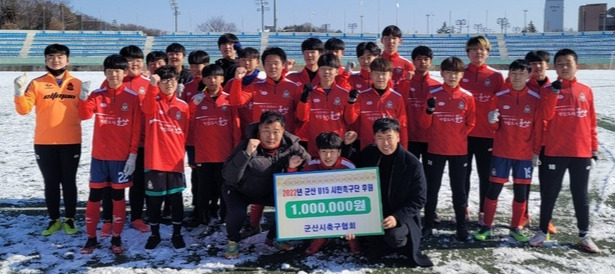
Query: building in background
(594, 17)
(554, 16)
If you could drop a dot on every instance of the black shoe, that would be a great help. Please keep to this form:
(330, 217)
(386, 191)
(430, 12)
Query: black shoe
(463, 235)
(152, 242)
(427, 232)
(89, 246)
(178, 241)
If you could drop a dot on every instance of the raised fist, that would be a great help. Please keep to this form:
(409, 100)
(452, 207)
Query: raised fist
(240, 72)
(493, 116)
(290, 63)
(21, 83)
(431, 105)
(556, 86)
(154, 79)
(180, 89)
(307, 88)
(252, 146)
(349, 66)
(85, 90)
(350, 136)
(352, 98)
(197, 99)
(294, 161)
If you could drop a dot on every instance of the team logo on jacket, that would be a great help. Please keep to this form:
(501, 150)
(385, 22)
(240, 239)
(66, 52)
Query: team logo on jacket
(142, 90)
(224, 108)
(441, 104)
(286, 94)
(389, 104)
(462, 105)
(412, 89)
(337, 101)
(204, 108)
(359, 86)
(487, 82)
(506, 107)
(582, 97)
(527, 109)
(103, 105)
(178, 116)
(124, 107)
(369, 103)
(465, 80)
(493, 172)
(316, 100)
(398, 70)
(70, 86)
(263, 92)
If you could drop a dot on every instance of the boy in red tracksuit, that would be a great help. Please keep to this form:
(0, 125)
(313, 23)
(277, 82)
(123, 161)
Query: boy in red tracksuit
(275, 93)
(402, 67)
(197, 60)
(570, 143)
(135, 81)
(337, 47)
(483, 82)
(329, 157)
(114, 148)
(312, 48)
(366, 53)
(166, 128)
(513, 114)
(322, 107)
(376, 102)
(414, 91)
(216, 126)
(449, 116)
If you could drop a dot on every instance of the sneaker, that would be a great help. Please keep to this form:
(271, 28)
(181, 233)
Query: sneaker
(355, 247)
(518, 235)
(116, 245)
(53, 226)
(588, 245)
(69, 226)
(106, 230)
(140, 226)
(525, 222)
(483, 233)
(283, 246)
(481, 219)
(250, 231)
(315, 246)
(178, 242)
(232, 250)
(152, 242)
(539, 239)
(463, 235)
(89, 246)
(552, 229)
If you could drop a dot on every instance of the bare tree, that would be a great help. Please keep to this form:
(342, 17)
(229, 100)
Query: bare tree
(217, 24)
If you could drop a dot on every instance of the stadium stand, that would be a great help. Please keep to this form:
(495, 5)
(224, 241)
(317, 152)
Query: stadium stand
(204, 41)
(87, 43)
(11, 43)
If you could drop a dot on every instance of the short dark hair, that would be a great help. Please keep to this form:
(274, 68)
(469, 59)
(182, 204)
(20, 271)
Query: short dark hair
(335, 43)
(368, 47)
(328, 60)
(381, 64)
(312, 44)
(328, 140)
(212, 70)
(274, 51)
(520, 64)
(385, 124)
(227, 38)
(565, 52)
(391, 30)
(167, 72)
(249, 53)
(198, 57)
(452, 64)
(115, 61)
(538, 56)
(422, 51)
(57, 48)
(176, 47)
(269, 117)
(132, 52)
(155, 56)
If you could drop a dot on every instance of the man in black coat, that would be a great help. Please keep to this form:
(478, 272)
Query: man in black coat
(404, 193)
(248, 174)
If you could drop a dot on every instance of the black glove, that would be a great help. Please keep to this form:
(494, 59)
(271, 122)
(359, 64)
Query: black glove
(354, 94)
(431, 105)
(595, 155)
(556, 86)
(307, 88)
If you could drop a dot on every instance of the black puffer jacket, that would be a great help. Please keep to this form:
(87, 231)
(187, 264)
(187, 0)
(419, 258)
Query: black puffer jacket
(252, 175)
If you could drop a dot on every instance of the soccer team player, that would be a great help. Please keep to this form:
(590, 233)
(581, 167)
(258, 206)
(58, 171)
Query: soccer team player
(519, 124)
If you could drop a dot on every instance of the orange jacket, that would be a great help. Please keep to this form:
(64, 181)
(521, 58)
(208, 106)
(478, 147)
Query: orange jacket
(57, 114)
(483, 82)
(117, 126)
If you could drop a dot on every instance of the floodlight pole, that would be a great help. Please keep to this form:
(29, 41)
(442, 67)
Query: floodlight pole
(175, 9)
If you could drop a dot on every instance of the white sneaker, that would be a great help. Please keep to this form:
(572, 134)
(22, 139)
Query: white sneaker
(539, 239)
(588, 245)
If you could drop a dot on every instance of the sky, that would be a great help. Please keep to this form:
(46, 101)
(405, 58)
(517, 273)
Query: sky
(410, 15)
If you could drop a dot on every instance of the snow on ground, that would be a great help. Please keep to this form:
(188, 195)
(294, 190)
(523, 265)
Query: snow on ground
(23, 216)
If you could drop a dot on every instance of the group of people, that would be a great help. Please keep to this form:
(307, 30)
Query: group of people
(238, 129)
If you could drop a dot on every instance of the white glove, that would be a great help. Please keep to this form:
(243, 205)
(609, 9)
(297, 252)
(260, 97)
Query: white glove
(131, 164)
(494, 116)
(197, 99)
(536, 160)
(21, 83)
(180, 90)
(85, 90)
(349, 66)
